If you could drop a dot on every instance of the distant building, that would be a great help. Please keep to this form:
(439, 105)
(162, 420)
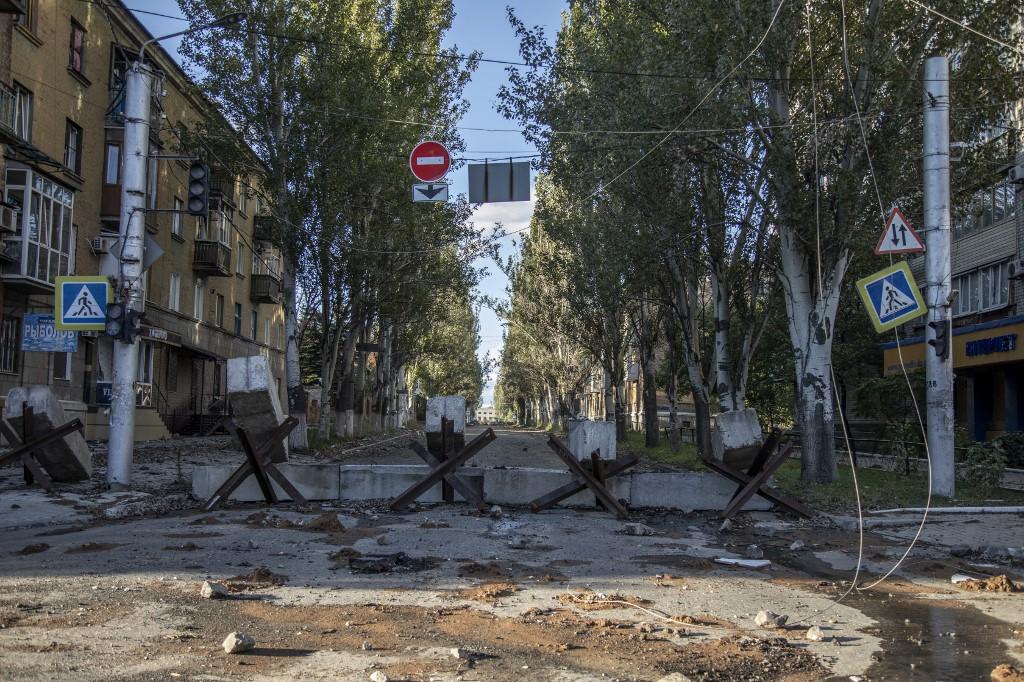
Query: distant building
(486, 414)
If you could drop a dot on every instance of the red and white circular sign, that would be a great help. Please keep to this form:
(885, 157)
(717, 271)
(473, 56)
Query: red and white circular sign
(430, 161)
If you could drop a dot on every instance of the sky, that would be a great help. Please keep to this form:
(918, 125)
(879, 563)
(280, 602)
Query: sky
(479, 25)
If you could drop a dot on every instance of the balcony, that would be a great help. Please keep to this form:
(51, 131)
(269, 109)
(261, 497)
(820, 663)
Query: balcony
(212, 259)
(222, 188)
(264, 228)
(13, 6)
(266, 289)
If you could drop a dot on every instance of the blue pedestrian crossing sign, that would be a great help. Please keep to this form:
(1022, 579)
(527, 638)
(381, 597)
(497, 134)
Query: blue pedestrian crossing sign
(891, 297)
(82, 303)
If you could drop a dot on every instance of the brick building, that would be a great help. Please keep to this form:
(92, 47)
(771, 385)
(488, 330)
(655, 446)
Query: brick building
(215, 292)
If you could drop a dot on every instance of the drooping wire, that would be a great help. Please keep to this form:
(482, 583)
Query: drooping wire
(991, 39)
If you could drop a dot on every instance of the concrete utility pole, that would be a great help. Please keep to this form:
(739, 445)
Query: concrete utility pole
(138, 93)
(938, 275)
(137, 98)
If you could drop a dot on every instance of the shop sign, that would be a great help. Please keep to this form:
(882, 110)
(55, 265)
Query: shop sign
(40, 334)
(997, 344)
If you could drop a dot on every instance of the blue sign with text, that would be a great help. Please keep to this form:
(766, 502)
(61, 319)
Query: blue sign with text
(40, 334)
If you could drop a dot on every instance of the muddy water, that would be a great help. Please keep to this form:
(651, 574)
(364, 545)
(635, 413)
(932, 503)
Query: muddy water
(933, 641)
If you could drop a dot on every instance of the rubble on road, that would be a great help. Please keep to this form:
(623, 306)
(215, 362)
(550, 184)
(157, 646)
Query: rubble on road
(238, 642)
(769, 619)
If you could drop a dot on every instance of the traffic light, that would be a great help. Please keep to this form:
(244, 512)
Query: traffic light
(123, 323)
(941, 341)
(199, 189)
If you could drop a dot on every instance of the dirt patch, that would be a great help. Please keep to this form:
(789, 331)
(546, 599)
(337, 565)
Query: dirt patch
(187, 547)
(487, 593)
(676, 561)
(1007, 673)
(593, 601)
(325, 523)
(997, 583)
(34, 548)
(192, 536)
(205, 521)
(257, 579)
(92, 547)
(391, 563)
(432, 524)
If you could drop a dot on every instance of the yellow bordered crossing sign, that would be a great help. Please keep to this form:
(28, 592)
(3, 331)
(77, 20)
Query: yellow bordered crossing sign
(891, 297)
(81, 303)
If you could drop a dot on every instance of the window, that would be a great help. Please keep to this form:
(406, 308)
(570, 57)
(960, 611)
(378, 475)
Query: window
(144, 373)
(62, 366)
(254, 324)
(983, 289)
(43, 245)
(174, 292)
(112, 165)
(76, 48)
(177, 218)
(9, 344)
(22, 112)
(239, 256)
(73, 147)
(197, 299)
(238, 319)
(243, 197)
(152, 180)
(30, 18)
(266, 331)
(219, 311)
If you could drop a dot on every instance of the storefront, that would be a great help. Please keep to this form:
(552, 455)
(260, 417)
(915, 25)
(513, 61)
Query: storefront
(988, 361)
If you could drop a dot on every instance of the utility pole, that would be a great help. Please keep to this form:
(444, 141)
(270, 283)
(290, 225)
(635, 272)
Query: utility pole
(137, 97)
(938, 276)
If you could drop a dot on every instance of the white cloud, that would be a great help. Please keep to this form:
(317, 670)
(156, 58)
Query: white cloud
(513, 215)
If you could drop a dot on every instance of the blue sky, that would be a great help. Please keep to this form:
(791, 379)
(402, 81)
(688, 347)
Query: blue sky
(479, 25)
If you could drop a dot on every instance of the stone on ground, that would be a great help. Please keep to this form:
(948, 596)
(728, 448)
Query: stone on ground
(255, 406)
(67, 459)
(768, 619)
(238, 642)
(211, 590)
(379, 676)
(674, 677)
(816, 634)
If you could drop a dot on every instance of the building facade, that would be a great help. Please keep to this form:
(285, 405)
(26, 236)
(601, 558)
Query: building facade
(214, 292)
(988, 314)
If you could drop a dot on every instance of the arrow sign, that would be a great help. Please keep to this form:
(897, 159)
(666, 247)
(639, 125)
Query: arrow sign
(899, 236)
(430, 192)
(891, 297)
(430, 161)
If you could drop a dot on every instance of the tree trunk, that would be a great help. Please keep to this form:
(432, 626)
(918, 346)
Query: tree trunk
(298, 438)
(811, 318)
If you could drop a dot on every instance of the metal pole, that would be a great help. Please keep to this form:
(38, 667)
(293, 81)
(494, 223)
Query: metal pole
(138, 91)
(938, 274)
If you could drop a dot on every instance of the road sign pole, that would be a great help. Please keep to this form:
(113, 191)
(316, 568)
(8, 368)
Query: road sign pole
(138, 91)
(938, 275)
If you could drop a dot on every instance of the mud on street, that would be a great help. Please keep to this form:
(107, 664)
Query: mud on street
(101, 586)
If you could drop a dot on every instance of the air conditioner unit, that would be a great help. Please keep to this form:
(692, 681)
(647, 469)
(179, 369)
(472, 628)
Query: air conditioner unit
(1016, 174)
(103, 244)
(8, 219)
(1015, 269)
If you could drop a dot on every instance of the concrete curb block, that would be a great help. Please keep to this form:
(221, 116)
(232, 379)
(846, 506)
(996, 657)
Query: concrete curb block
(325, 482)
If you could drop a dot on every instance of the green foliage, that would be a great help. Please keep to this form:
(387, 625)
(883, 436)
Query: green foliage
(982, 465)
(685, 458)
(1012, 445)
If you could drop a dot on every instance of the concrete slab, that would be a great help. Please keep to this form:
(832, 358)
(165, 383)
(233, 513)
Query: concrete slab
(314, 481)
(586, 436)
(522, 486)
(736, 430)
(252, 394)
(385, 481)
(686, 490)
(67, 459)
(449, 407)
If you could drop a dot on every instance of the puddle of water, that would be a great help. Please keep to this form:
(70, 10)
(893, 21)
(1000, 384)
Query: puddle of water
(970, 654)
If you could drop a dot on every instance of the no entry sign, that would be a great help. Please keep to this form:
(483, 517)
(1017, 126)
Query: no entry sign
(430, 161)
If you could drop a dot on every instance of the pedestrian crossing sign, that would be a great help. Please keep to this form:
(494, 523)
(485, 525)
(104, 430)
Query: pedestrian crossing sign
(81, 303)
(891, 297)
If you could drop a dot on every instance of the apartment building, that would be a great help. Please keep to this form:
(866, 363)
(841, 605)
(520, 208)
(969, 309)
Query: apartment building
(213, 294)
(988, 313)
